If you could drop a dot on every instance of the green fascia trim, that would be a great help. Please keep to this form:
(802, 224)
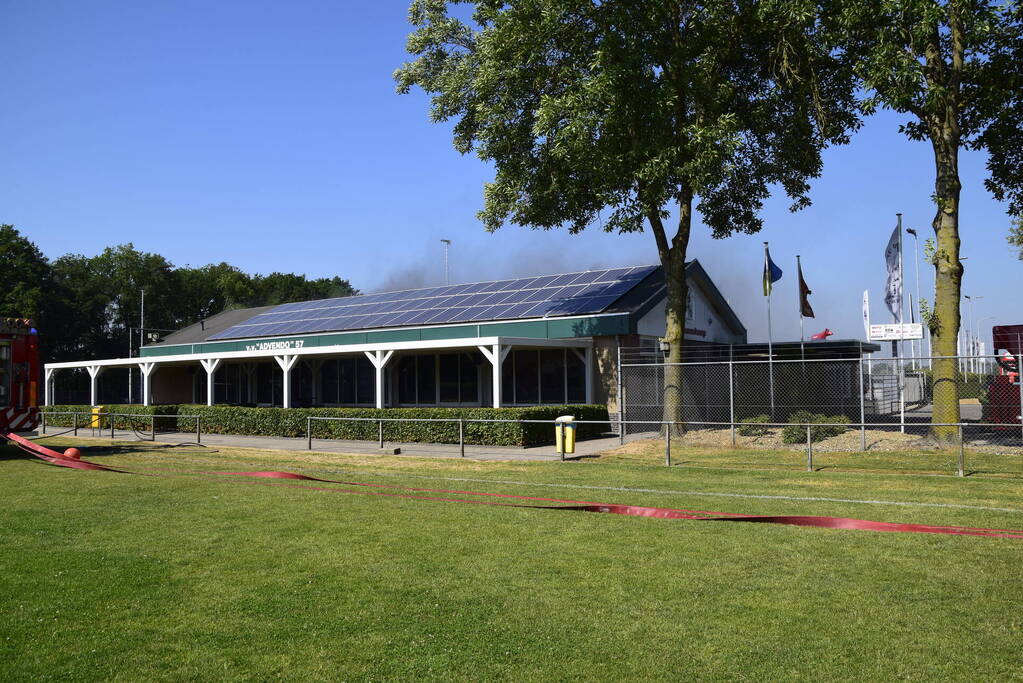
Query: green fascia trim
(537, 329)
(554, 328)
(589, 327)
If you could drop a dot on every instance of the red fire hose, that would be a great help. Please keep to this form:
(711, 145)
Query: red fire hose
(485, 498)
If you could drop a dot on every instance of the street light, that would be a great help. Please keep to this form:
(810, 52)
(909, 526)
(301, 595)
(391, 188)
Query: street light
(916, 267)
(447, 275)
(969, 330)
(983, 361)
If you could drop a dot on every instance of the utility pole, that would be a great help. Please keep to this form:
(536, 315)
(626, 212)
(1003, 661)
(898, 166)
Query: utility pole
(447, 272)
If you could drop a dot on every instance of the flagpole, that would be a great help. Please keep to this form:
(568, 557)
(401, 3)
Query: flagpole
(902, 335)
(770, 336)
(799, 271)
(770, 353)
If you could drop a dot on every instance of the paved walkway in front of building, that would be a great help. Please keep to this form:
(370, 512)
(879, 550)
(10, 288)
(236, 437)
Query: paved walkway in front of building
(430, 450)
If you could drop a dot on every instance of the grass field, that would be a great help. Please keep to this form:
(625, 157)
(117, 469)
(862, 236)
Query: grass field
(185, 576)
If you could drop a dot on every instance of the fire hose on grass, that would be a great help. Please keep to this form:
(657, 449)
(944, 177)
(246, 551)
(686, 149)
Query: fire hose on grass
(71, 458)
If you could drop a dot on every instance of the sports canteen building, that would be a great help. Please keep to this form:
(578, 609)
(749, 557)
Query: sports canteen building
(525, 341)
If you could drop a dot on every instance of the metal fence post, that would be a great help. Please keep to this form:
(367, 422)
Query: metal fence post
(809, 451)
(461, 437)
(111, 418)
(380, 432)
(962, 453)
(198, 430)
(621, 401)
(154, 428)
(43, 416)
(667, 443)
(863, 413)
(561, 430)
(308, 434)
(902, 395)
(731, 396)
(1019, 378)
(74, 417)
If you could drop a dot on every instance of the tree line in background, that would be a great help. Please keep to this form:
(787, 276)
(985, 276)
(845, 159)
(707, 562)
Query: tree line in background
(90, 306)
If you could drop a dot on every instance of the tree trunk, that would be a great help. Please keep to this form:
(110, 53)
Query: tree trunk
(948, 276)
(673, 260)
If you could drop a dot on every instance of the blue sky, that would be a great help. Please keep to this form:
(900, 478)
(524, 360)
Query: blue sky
(269, 135)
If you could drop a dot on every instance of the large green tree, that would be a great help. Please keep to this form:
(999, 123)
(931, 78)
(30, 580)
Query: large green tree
(1016, 236)
(632, 115)
(24, 276)
(953, 67)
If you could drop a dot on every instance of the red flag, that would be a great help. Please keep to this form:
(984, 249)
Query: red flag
(804, 293)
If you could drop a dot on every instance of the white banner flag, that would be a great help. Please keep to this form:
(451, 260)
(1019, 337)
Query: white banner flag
(866, 314)
(893, 286)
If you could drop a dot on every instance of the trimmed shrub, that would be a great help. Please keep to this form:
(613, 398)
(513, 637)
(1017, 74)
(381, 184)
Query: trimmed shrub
(291, 422)
(823, 426)
(749, 426)
(122, 420)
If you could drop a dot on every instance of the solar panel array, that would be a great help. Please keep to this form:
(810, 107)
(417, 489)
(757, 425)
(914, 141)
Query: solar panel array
(530, 297)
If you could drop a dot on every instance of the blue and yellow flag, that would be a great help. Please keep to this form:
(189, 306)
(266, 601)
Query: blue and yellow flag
(772, 273)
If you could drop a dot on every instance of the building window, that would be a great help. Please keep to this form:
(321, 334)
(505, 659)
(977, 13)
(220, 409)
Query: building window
(447, 375)
(469, 377)
(575, 377)
(428, 379)
(552, 376)
(549, 376)
(527, 379)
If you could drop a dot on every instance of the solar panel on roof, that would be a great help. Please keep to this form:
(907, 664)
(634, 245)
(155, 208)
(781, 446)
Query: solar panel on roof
(530, 297)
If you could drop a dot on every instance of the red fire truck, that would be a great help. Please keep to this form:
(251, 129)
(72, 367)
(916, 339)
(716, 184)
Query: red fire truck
(19, 375)
(1003, 391)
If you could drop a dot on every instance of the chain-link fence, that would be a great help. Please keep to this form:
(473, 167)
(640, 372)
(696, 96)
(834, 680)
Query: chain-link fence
(890, 395)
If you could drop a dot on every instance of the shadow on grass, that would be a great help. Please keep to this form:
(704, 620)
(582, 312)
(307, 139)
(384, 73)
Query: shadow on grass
(10, 452)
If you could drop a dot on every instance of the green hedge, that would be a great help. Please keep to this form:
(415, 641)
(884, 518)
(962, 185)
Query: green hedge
(142, 423)
(291, 422)
(823, 426)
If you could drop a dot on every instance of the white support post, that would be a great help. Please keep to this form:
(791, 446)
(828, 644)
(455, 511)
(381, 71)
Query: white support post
(210, 365)
(47, 390)
(147, 386)
(379, 360)
(94, 372)
(496, 355)
(286, 363)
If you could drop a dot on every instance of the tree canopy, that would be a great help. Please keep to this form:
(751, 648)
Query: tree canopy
(954, 67)
(627, 114)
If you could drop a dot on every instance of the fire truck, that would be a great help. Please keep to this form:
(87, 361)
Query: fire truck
(19, 375)
(1003, 392)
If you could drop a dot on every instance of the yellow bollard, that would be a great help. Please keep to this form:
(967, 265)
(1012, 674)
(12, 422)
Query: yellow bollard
(566, 421)
(97, 417)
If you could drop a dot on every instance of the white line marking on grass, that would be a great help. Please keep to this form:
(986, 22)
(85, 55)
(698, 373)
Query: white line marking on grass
(692, 493)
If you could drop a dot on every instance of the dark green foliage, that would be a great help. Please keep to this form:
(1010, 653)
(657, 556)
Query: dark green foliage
(824, 426)
(1015, 238)
(24, 276)
(291, 422)
(750, 426)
